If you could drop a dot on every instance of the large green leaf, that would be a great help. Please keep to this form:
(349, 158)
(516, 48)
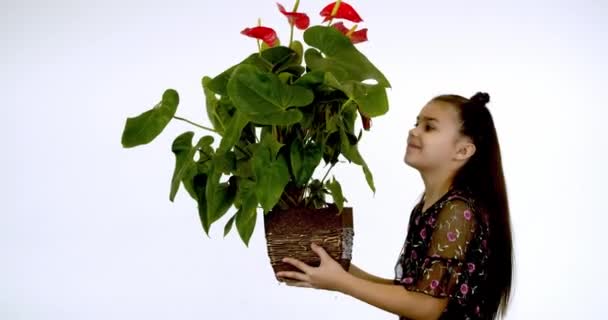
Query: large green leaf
(336, 192)
(271, 172)
(247, 213)
(371, 99)
(304, 159)
(233, 131)
(341, 57)
(219, 195)
(276, 58)
(199, 183)
(228, 225)
(280, 118)
(185, 167)
(256, 92)
(148, 125)
(351, 152)
(212, 104)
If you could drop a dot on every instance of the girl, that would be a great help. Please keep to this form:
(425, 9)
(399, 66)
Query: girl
(457, 261)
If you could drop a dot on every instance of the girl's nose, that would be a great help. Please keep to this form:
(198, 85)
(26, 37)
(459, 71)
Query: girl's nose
(413, 132)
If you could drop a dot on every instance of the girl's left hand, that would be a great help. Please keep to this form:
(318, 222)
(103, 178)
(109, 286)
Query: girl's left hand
(329, 275)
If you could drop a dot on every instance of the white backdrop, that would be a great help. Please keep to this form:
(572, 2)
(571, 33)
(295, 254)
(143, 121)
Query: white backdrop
(86, 227)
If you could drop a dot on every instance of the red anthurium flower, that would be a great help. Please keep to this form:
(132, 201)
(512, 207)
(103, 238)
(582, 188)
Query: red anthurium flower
(356, 36)
(367, 122)
(345, 11)
(268, 35)
(300, 20)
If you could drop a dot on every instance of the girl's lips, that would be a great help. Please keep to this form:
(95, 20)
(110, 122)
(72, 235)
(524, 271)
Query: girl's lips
(413, 146)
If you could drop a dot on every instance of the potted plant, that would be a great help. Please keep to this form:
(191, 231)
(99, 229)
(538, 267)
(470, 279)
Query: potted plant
(278, 115)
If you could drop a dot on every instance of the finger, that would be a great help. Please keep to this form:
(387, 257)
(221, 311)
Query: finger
(298, 264)
(320, 251)
(301, 284)
(293, 275)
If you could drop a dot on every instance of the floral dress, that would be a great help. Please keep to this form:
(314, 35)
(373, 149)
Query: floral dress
(446, 254)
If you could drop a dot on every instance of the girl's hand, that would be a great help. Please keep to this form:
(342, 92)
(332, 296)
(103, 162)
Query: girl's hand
(328, 276)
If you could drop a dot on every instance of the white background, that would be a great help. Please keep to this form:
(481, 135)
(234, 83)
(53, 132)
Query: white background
(86, 227)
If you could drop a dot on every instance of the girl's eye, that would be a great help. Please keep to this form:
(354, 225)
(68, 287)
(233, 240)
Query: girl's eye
(428, 128)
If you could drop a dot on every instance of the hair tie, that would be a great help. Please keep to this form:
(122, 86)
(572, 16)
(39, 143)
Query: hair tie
(480, 98)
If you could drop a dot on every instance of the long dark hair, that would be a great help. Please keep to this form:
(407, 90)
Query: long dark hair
(483, 175)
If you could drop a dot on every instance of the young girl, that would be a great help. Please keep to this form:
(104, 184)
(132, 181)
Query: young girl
(457, 261)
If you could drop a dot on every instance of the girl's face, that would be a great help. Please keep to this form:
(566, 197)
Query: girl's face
(435, 139)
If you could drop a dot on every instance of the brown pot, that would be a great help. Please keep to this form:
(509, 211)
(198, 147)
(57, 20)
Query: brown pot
(289, 233)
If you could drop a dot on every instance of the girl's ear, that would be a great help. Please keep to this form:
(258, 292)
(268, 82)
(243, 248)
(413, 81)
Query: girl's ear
(466, 149)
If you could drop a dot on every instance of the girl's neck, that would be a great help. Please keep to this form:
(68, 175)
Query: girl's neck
(435, 186)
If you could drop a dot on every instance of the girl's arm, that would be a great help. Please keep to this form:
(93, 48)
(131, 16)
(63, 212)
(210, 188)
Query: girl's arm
(393, 298)
(355, 271)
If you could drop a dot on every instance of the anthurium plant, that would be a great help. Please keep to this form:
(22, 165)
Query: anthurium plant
(276, 117)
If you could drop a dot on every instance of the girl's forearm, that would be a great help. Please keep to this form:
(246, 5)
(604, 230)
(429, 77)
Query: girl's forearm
(393, 298)
(355, 271)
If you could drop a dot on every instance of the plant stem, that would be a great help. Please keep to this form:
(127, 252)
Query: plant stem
(345, 104)
(290, 34)
(194, 124)
(295, 8)
(326, 173)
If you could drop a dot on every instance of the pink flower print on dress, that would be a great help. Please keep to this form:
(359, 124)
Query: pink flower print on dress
(414, 255)
(408, 280)
(471, 267)
(417, 220)
(464, 289)
(468, 214)
(452, 236)
(423, 233)
(434, 284)
(431, 221)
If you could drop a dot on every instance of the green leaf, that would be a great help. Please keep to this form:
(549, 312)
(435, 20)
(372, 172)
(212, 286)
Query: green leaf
(255, 92)
(280, 118)
(295, 159)
(228, 225)
(311, 79)
(212, 104)
(233, 131)
(269, 141)
(148, 125)
(247, 213)
(271, 173)
(304, 160)
(272, 58)
(369, 177)
(200, 185)
(341, 57)
(371, 99)
(299, 49)
(351, 152)
(182, 147)
(226, 162)
(219, 195)
(336, 192)
(185, 167)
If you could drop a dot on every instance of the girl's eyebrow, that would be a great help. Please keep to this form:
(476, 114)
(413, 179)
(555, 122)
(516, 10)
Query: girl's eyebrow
(427, 118)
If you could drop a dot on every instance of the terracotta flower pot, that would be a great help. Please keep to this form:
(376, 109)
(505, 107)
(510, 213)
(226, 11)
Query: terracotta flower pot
(289, 233)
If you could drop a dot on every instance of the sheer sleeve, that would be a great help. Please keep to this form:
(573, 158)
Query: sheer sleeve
(445, 259)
